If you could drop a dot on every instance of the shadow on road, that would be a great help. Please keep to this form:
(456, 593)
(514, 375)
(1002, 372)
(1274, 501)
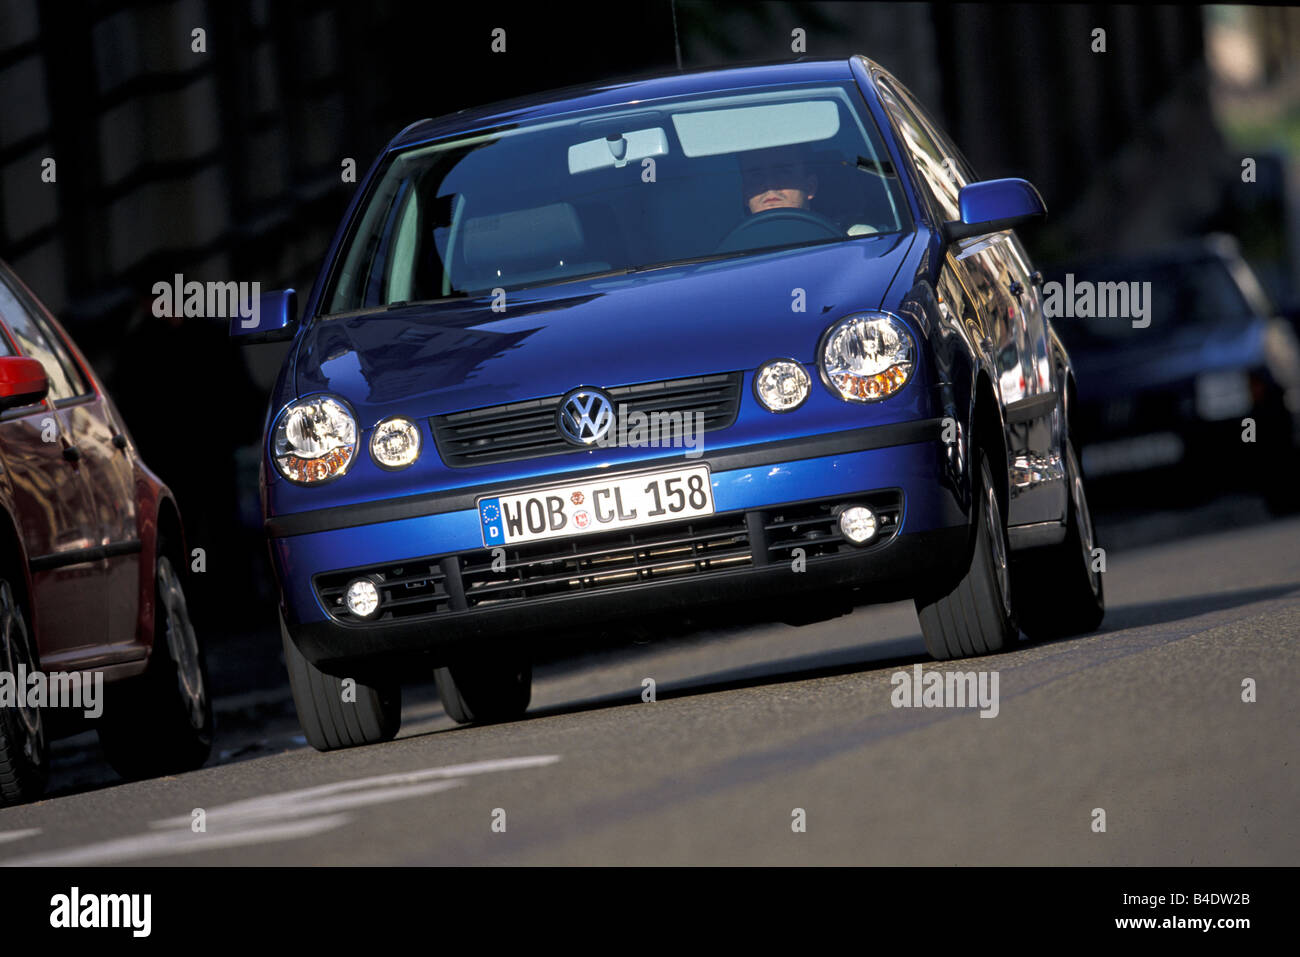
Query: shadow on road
(1160, 612)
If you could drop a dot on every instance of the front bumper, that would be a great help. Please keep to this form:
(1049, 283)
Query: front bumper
(769, 500)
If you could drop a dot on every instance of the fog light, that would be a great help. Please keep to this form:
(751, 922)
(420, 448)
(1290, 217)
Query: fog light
(781, 385)
(858, 524)
(363, 598)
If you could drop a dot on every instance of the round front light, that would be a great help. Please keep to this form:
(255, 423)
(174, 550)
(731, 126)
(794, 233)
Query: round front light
(395, 443)
(781, 385)
(315, 440)
(363, 597)
(858, 524)
(867, 358)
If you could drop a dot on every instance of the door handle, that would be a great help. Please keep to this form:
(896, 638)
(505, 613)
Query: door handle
(72, 453)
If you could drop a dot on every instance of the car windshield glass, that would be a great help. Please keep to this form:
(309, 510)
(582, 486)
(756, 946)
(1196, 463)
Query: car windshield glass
(595, 192)
(1192, 293)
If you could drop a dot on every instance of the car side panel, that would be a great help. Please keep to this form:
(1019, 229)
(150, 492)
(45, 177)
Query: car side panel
(59, 526)
(108, 475)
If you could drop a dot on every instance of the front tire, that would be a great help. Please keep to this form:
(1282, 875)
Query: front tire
(161, 722)
(24, 750)
(975, 616)
(340, 712)
(1058, 593)
(484, 692)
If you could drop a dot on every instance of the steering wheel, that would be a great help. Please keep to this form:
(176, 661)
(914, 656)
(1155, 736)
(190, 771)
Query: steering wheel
(736, 239)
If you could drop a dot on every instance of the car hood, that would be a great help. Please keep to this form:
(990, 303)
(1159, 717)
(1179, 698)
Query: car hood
(664, 323)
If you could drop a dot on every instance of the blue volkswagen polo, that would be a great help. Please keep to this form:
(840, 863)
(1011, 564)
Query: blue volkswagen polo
(755, 335)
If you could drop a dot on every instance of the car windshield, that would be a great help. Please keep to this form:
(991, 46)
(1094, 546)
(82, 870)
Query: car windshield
(614, 191)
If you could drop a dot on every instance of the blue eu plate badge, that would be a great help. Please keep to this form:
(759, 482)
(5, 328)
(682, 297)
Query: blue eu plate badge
(489, 511)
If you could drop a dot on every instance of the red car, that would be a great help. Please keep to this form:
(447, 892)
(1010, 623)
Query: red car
(93, 620)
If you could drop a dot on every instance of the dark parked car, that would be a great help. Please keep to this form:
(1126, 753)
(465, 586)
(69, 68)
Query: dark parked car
(793, 260)
(91, 569)
(1171, 394)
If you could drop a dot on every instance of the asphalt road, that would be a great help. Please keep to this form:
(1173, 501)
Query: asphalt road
(1143, 720)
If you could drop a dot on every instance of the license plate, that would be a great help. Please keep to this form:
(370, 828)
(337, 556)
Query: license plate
(596, 505)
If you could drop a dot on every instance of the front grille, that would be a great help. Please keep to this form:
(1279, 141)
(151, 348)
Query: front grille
(598, 561)
(694, 548)
(525, 430)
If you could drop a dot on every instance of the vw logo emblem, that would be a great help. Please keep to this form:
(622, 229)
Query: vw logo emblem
(585, 416)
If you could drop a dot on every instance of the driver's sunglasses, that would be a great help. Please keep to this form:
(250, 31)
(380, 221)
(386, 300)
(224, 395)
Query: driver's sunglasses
(776, 177)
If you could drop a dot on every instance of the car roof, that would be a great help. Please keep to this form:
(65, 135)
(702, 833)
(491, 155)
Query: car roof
(622, 92)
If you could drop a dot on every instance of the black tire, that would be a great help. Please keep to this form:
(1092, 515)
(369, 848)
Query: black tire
(1056, 590)
(161, 722)
(485, 692)
(975, 616)
(329, 721)
(24, 748)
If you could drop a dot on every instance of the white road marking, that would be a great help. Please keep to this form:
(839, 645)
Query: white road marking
(167, 843)
(7, 836)
(310, 800)
(283, 816)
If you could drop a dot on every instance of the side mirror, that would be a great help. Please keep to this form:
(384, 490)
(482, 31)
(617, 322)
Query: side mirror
(276, 319)
(994, 205)
(22, 381)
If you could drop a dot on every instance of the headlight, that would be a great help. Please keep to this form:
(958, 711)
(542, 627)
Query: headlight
(781, 385)
(315, 440)
(867, 358)
(395, 443)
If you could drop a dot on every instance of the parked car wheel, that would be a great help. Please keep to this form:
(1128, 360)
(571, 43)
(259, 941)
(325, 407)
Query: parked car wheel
(485, 692)
(24, 754)
(1057, 591)
(161, 722)
(975, 617)
(335, 714)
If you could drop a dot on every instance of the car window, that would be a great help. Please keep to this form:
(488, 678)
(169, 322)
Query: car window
(36, 340)
(613, 190)
(953, 156)
(938, 169)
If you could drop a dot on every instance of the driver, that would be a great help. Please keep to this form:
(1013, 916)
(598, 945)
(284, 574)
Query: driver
(776, 179)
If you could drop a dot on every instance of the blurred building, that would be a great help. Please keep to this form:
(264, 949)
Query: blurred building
(226, 162)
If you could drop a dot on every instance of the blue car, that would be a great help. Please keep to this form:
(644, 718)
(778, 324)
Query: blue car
(753, 336)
